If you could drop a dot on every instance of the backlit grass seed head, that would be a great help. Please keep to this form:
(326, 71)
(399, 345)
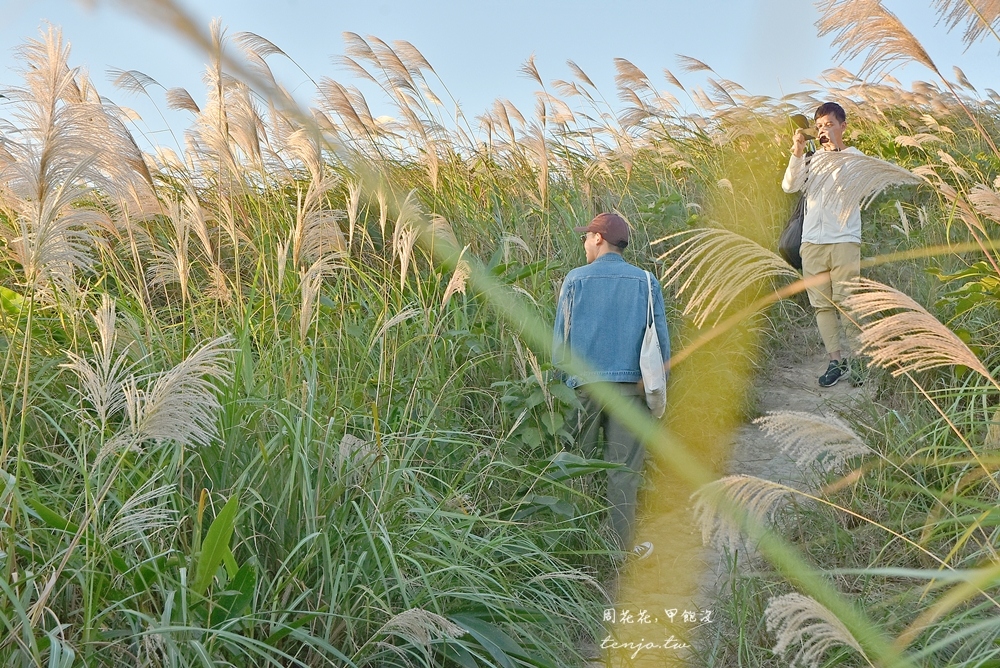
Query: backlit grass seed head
(70, 143)
(51, 240)
(798, 620)
(317, 228)
(173, 263)
(402, 316)
(986, 201)
(102, 377)
(354, 457)
(981, 17)
(716, 502)
(179, 98)
(898, 334)
(405, 234)
(850, 179)
(714, 267)
(311, 282)
(866, 27)
(458, 280)
(143, 515)
(420, 627)
(813, 440)
(181, 404)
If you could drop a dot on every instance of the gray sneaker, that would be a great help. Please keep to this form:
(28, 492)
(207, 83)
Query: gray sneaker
(838, 369)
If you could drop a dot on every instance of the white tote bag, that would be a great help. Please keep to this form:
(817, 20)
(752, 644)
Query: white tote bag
(654, 378)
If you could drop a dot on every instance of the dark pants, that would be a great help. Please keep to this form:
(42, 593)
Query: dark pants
(620, 447)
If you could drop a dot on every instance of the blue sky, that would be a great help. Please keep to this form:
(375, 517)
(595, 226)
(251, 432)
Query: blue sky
(477, 48)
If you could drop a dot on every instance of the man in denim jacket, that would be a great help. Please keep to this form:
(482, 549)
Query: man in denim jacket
(601, 317)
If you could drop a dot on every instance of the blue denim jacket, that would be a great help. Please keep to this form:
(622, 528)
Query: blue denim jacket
(601, 316)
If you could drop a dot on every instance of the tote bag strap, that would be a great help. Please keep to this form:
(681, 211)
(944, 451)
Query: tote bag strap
(649, 311)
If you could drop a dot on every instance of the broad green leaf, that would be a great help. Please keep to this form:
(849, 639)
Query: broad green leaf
(236, 598)
(50, 517)
(497, 643)
(215, 546)
(458, 654)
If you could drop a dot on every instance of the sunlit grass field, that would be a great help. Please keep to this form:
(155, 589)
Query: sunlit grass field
(284, 397)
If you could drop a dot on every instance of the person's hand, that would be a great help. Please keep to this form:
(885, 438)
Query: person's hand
(799, 143)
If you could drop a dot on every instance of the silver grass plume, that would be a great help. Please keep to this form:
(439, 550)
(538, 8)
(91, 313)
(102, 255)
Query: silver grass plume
(405, 234)
(353, 452)
(689, 64)
(70, 144)
(132, 81)
(716, 266)
(760, 499)
(402, 316)
(48, 237)
(580, 74)
(459, 278)
(173, 264)
(849, 179)
(353, 206)
(420, 627)
(986, 201)
(311, 280)
(226, 131)
(383, 211)
(218, 285)
(282, 260)
(905, 338)
(813, 440)
(799, 620)
(918, 140)
(317, 229)
(306, 147)
(144, 514)
(860, 26)
(179, 98)
(197, 219)
(180, 404)
(253, 43)
(102, 378)
(981, 17)
(348, 105)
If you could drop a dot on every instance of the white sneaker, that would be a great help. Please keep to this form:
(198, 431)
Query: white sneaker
(642, 550)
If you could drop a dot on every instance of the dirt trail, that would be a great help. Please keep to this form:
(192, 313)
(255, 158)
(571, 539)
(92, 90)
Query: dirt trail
(789, 386)
(681, 575)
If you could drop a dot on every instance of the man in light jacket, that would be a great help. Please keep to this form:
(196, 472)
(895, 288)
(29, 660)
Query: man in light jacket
(601, 317)
(831, 233)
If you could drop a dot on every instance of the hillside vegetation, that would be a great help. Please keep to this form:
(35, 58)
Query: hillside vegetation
(282, 396)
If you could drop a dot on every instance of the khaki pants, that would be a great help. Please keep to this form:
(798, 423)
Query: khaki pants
(621, 446)
(840, 262)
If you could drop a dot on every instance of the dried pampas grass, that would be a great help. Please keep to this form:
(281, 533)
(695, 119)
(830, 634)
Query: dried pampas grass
(459, 278)
(853, 179)
(986, 201)
(719, 266)
(716, 503)
(102, 378)
(420, 627)
(866, 27)
(799, 620)
(144, 514)
(813, 440)
(981, 17)
(181, 403)
(310, 283)
(905, 338)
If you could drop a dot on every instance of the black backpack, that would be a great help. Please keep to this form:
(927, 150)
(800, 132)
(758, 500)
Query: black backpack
(791, 236)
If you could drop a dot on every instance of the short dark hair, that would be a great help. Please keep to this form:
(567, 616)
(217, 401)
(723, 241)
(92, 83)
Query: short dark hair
(828, 108)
